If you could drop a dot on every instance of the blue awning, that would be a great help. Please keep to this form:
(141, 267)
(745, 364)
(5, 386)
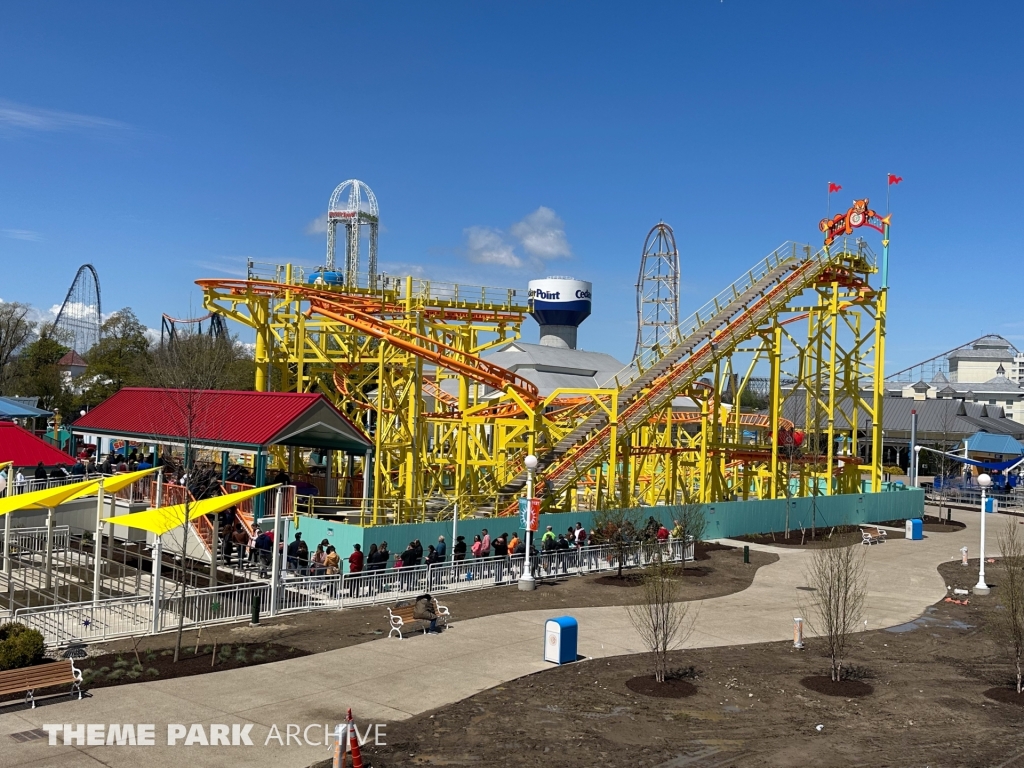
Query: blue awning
(983, 442)
(9, 409)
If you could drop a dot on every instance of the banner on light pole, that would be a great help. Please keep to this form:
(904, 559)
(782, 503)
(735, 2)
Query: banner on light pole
(529, 514)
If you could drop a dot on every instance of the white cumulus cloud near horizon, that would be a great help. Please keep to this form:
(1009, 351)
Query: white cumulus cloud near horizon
(489, 246)
(540, 234)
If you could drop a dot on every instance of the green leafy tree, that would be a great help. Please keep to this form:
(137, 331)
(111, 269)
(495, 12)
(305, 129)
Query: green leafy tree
(120, 359)
(15, 332)
(37, 372)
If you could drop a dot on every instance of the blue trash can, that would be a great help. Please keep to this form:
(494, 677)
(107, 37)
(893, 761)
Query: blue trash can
(560, 636)
(990, 504)
(915, 531)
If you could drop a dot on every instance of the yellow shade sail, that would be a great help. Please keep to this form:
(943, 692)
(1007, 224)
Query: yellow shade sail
(113, 484)
(45, 498)
(164, 519)
(52, 497)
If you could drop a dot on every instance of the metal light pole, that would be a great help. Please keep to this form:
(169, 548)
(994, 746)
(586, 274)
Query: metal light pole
(981, 588)
(526, 580)
(917, 465)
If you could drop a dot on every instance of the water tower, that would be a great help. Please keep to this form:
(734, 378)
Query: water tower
(559, 305)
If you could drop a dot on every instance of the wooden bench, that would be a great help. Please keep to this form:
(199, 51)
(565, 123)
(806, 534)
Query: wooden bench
(402, 616)
(872, 535)
(29, 679)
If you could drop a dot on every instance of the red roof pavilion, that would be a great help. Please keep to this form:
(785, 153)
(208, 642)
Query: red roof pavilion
(27, 450)
(224, 419)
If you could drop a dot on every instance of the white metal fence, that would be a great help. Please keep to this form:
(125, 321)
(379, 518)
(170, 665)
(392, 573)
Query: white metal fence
(34, 539)
(121, 617)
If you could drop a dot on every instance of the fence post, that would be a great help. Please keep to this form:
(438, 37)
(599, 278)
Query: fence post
(49, 548)
(9, 491)
(158, 561)
(97, 545)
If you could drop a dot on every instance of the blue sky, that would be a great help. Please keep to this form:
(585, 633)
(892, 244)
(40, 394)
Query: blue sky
(168, 143)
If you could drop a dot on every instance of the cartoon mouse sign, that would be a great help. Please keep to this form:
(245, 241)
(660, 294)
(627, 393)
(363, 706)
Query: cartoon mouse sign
(859, 215)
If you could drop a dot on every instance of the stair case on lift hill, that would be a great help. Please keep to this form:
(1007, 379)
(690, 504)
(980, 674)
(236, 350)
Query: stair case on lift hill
(648, 386)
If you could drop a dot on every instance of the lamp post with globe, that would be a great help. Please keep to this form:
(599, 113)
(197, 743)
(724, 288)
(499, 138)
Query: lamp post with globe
(981, 588)
(526, 580)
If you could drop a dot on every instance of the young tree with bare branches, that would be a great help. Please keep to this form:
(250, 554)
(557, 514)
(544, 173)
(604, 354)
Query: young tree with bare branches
(619, 528)
(690, 523)
(1009, 622)
(659, 617)
(190, 365)
(836, 574)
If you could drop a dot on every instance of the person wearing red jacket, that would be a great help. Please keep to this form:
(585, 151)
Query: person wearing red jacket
(355, 560)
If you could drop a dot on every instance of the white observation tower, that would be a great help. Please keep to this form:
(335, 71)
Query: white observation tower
(353, 204)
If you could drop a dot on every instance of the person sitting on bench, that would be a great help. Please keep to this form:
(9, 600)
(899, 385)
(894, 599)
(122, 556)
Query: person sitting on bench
(424, 611)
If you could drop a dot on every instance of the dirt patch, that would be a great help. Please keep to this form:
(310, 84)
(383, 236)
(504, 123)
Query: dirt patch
(672, 688)
(851, 689)
(843, 534)
(1005, 696)
(929, 706)
(627, 580)
(722, 572)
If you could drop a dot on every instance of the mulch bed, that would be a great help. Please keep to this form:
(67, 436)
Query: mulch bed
(844, 534)
(635, 579)
(850, 689)
(123, 668)
(672, 688)
(1005, 695)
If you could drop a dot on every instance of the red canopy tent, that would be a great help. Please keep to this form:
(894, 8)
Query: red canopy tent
(27, 450)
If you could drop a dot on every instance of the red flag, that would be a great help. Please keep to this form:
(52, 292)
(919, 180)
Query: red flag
(894, 179)
(833, 187)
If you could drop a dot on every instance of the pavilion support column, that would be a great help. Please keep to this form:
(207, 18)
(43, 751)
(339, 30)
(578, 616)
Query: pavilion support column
(259, 462)
(329, 489)
(224, 466)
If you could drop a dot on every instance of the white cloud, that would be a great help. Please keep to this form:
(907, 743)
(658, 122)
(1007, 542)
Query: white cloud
(317, 226)
(25, 118)
(488, 246)
(23, 234)
(542, 234)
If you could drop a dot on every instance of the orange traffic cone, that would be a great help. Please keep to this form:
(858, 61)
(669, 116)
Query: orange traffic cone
(357, 757)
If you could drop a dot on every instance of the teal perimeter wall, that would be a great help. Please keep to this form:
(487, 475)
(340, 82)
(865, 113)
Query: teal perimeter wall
(724, 520)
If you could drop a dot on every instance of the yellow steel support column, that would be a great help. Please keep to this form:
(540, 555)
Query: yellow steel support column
(259, 309)
(775, 406)
(378, 448)
(833, 332)
(612, 483)
(879, 385)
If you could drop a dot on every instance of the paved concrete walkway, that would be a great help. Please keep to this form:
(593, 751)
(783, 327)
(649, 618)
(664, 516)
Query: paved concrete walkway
(385, 681)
